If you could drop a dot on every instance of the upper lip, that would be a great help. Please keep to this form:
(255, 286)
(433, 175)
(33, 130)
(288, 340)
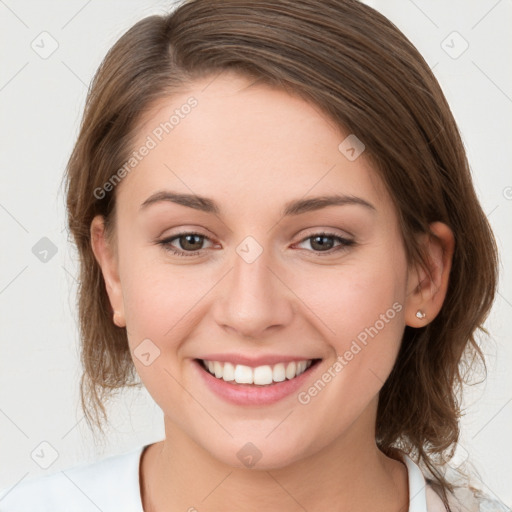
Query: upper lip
(269, 359)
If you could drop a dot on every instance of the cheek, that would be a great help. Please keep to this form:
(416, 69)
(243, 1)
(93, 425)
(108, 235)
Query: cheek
(164, 304)
(154, 298)
(359, 312)
(356, 297)
(159, 309)
(361, 309)
(156, 293)
(161, 303)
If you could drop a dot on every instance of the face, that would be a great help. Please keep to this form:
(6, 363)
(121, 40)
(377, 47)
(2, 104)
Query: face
(257, 275)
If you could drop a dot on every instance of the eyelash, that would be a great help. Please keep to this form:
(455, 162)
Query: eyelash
(166, 243)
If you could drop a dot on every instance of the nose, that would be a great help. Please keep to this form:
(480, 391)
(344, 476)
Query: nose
(254, 298)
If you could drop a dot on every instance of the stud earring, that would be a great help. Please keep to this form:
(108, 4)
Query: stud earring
(420, 314)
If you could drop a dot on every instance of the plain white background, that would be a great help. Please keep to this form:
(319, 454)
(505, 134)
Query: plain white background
(467, 44)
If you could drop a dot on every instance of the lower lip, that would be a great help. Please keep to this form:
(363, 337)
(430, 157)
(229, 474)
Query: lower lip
(252, 394)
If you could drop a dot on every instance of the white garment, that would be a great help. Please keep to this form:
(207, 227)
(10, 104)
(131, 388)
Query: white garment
(113, 485)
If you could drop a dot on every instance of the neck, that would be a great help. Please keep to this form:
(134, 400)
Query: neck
(178, 474)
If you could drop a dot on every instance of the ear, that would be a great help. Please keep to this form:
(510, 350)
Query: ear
(106, 257)
(426, 289)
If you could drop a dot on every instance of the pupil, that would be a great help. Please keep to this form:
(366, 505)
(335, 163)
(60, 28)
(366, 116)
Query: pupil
(188, 237)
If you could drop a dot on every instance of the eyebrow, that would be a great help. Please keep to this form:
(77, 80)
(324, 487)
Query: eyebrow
(291, 208)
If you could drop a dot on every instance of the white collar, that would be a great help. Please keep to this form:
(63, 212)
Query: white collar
(422, 498)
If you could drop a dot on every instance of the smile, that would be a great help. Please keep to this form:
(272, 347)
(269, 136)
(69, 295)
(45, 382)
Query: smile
(260, 375)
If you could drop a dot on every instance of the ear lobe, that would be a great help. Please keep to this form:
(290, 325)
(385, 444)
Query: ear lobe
(106, 257)
(428, 287)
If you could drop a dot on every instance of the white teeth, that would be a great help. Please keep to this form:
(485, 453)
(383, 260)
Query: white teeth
(279, 373)
(218, 368)
(291, 370)
(243, 374)
(229, 372)
(261, 375)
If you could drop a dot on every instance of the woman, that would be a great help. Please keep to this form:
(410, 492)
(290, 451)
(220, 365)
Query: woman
(279, 236)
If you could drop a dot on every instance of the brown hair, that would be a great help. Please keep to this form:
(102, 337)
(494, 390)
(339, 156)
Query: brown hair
(358, 68)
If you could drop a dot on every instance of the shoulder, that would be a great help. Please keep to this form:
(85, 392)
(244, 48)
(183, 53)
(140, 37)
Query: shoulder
(463, 499)
(425, 493)
(110, 484)
(468, 499)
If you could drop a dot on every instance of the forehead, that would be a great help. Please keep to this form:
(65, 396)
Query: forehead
(244, 142)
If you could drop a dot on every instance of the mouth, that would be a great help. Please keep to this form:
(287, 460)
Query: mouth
(259, 376)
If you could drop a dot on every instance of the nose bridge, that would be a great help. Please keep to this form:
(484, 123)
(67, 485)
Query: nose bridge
(254, 299)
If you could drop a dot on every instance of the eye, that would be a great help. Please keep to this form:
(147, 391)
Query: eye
(322, 241)
(188, 241)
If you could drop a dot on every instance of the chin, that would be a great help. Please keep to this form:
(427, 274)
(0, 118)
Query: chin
(258, 454)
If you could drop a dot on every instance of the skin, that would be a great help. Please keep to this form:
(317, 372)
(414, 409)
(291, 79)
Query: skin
(252, 149)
